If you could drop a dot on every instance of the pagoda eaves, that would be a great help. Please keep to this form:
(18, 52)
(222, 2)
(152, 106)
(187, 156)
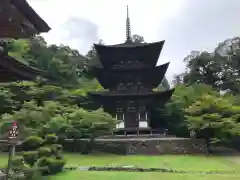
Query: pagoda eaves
(150, 99)
(166, 94)
(147, 53)
(149, 77)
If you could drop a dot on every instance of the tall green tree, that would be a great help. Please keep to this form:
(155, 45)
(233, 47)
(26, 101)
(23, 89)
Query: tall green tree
(172, 116)
(60, 63)
(214, 118)
(138, 39)
(228, 53)
(92, 60)
(219, 69)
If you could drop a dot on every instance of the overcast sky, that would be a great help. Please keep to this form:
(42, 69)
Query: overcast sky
(186, 25)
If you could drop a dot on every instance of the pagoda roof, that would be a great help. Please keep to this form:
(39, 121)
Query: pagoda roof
(150, 76)
(109, 99)
(19, 20)
(131, 44)
(147, 53)
(12, 69)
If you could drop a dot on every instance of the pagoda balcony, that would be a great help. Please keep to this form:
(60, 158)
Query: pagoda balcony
(120, 125)
(142, 124)
(154, 94)
(130, 65)
(130, 92)
(135, 90)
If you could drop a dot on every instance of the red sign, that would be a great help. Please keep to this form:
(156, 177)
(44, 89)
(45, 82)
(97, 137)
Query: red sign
(13, 133)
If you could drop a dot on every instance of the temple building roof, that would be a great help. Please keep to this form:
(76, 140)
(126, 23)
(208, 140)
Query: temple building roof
(151, 77)
(19, 20)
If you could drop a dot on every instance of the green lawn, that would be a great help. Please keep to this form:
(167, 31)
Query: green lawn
(3, 160)
(190, 163)
(139, 176)
(180, 162)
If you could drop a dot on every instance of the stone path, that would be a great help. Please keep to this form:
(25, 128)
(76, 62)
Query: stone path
(138, 169)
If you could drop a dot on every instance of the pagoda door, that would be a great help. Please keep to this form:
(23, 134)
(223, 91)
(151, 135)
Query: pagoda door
(131, 120)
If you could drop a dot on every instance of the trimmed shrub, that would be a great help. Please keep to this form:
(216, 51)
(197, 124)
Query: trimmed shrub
(44, 155)
(54, 165)
(44, 152)
(26, 173)
(59, 157)
(17, 162)
(30, 157)
(56, 148)
(51, 139)
(43, 163)
(32, 143)
(32, 173)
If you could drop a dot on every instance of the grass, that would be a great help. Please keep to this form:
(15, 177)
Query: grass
(3, 160)
(139, 176)
(179, 162)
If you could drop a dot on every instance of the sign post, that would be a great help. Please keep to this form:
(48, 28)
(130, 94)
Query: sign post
(12, 141)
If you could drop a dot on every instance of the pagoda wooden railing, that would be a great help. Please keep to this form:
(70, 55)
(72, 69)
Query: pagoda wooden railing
(149, 131)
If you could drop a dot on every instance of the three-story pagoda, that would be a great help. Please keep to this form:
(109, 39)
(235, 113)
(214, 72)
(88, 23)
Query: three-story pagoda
(130, 74)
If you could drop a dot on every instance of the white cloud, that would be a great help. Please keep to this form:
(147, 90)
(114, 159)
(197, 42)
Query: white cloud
(185, 24)
(108, 15)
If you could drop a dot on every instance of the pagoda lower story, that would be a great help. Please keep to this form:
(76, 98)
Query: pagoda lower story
(133, 111)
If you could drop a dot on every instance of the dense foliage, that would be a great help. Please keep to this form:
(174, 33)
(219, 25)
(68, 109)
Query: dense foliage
(214, 118)
(212, 114)
(220, 69)
(61, 63)
(40, 157)
(47, 107)
(173, 115)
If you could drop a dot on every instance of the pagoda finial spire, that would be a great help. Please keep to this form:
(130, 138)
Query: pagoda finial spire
(128, 28)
